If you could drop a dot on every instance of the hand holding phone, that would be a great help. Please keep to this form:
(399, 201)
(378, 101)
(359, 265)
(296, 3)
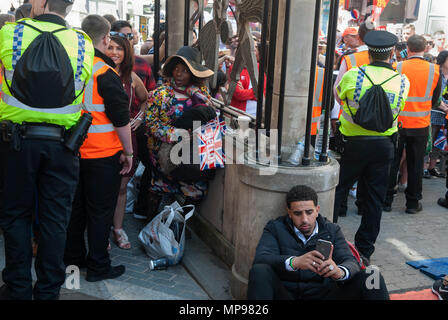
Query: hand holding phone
(324, 247)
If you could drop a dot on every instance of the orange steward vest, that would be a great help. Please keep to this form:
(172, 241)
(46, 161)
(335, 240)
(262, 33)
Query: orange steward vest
(102, 140)
(423, 77)
(317, 100)
(357, 59)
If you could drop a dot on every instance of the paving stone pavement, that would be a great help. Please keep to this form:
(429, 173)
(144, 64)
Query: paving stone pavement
(405, 237)
(138, 282)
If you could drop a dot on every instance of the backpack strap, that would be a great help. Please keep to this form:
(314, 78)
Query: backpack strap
(363, 71)
(38, 30)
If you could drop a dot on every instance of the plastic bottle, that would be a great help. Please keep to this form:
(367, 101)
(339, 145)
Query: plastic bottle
(297, 155)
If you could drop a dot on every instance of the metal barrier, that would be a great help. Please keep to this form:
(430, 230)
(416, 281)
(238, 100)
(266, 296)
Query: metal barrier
(266, 69)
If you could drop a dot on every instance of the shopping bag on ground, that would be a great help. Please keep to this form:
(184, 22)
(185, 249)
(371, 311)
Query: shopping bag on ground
(164, 236)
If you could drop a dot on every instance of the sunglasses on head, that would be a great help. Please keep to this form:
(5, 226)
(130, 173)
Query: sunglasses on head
(128, 36)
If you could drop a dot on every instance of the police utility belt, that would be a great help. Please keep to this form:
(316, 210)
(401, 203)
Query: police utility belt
(14, 133)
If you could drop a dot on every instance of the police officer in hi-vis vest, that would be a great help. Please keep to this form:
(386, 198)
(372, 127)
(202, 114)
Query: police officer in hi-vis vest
(357, 59)
(368, 154)
(38, 117)
(414, 122)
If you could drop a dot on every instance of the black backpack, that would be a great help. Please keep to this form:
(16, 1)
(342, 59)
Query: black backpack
(43, 77)
(374, 111)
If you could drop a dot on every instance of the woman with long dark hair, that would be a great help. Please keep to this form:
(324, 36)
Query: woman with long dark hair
(121, 53)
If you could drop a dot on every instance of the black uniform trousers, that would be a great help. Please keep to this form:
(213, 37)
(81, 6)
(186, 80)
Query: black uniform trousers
(415, 157)
(264, 284)
(93, 208)
(367, 161)
(51, 169)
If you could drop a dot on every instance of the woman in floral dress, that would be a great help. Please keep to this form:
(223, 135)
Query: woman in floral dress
(185, 89)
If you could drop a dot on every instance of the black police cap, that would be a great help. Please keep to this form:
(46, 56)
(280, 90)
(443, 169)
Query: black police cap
(380, 41)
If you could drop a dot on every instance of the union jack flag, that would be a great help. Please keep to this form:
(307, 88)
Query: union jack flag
(440, 142)
(210, 150)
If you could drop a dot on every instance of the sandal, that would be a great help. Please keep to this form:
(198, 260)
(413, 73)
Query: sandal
(122, 239)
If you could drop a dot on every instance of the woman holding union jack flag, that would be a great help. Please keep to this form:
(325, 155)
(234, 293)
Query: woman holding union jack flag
(183, 91)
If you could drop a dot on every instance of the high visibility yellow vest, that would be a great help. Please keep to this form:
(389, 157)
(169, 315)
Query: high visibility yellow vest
(424, 77)
(354, 85)
(14, 40)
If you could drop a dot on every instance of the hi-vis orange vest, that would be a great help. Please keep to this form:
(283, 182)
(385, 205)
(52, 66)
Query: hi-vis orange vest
(102, 140)
(423, 77)
(357, 59)
(317, 100)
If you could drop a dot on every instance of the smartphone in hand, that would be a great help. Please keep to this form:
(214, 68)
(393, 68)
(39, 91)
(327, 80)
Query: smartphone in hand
(324, 247)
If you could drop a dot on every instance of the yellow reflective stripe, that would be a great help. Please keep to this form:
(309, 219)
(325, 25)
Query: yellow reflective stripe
(101, 128)
(72, 108)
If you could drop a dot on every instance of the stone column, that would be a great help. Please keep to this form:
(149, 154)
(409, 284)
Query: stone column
(175, 21)
(261, 198)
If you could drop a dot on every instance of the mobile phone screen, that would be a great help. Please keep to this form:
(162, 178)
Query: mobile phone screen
(324, 247)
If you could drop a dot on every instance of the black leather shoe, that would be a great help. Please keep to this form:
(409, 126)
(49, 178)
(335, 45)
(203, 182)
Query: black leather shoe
(415, 210)
(4, 293)
(442, 202)
(387, 208)
(114, 272)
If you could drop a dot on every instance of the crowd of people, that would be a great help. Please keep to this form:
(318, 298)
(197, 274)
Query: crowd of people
(135, 116)
(69, 188)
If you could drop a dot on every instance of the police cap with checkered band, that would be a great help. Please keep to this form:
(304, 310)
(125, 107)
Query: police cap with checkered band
(380, 41)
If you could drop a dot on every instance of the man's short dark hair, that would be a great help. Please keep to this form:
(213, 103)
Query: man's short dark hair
(416, 43)
(59, 7)
(96, 27)
(120, 24)
(110, 18)
(363, 31)
(380, 56)
(301, 193)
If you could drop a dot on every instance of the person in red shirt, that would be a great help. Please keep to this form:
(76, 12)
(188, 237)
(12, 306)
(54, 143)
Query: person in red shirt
(244, 96)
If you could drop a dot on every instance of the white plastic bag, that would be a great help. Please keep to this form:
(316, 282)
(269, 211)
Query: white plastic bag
(159, 239)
